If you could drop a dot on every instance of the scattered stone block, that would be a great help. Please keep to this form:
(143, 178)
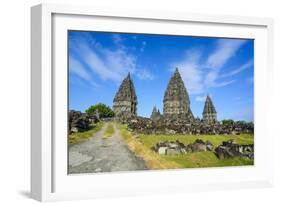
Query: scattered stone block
(162, 150)
(229, 149)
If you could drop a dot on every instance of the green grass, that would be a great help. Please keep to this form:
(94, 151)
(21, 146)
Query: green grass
(151, 140)
(75, 138)
(141, 146)
(152, 159)
(201, 159)
(109, 131)
(206, 159)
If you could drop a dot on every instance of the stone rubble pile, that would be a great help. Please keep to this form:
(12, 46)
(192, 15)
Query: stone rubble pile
(176, 147)
(78, 121)
(230, 149)
(180, 126)
(226, 150)
(200, 146)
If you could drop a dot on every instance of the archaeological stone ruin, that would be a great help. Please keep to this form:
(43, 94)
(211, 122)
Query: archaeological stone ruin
(176, 100)
(228, 149)
(177, 116)
(209, 112)
(125, 101)
(77, 121)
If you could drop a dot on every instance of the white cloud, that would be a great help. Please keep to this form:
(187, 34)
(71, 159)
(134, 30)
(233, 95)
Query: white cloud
(226, 48)
(109, 64)
(200, 75)
(144, 74)
(190, 70)
(76, 68)
(239, 69)
(200, 98)
(224, 83)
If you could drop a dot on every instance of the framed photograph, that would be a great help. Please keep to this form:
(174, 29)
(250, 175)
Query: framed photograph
(136, 102)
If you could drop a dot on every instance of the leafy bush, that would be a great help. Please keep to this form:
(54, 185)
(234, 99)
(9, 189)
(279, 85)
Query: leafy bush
(104, 110)
(227, 121)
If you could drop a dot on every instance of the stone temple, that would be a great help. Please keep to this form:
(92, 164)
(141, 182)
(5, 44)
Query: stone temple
(177, 117)
(155, 115)
(125, 100)
(176, 100)
(176, 103)
(209, 112)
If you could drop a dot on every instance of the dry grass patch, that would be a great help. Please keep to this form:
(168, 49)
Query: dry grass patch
(109, 131)
(152, 159)
(75, 138)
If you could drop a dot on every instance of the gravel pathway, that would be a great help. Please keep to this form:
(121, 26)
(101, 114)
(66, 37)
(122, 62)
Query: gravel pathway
(100, 154)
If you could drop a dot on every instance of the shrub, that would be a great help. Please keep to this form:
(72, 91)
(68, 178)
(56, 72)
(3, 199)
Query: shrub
(104, 110)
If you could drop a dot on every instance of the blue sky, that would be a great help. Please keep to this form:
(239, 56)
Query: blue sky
(219, 67)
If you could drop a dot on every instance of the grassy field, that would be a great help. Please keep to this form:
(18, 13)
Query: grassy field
(109, 131)
(152, 159)
(151, 140)
(83, 136)
(190, 160)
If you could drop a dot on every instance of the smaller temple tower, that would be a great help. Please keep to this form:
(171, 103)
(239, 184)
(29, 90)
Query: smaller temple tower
(125, 100)
(209, 112)
(155, 115)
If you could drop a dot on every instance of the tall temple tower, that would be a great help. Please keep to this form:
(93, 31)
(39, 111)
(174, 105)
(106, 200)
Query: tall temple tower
(176, 100)
(125, 100)
(209, 112)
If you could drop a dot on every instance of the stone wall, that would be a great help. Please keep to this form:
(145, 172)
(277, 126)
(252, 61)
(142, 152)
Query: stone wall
(181, 126)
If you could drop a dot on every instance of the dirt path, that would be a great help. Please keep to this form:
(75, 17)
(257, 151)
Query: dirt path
(103, 155)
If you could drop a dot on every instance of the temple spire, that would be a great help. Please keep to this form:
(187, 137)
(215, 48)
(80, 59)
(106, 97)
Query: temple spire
(176, 100)
(155, 115)
(209, 112)
(125, 100)
(128, 76)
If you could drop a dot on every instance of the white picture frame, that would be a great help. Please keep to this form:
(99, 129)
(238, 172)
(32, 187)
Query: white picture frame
(49, 179)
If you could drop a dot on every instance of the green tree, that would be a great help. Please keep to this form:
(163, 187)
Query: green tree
(104, 110)
(227, 121)
(242, 122)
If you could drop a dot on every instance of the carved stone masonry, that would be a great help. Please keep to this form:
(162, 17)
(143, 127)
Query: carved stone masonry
(176, 100)
(125, 100)
(209, 112)
(155, 115)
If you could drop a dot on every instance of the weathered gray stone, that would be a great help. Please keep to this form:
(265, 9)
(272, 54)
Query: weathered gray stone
(209, 112)
(173, 151)
(78, 121)
(162, 150)
(229, 149)
(155, 115)
(209, 145)
(125, 100)
(176, 100)
(176, 147)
